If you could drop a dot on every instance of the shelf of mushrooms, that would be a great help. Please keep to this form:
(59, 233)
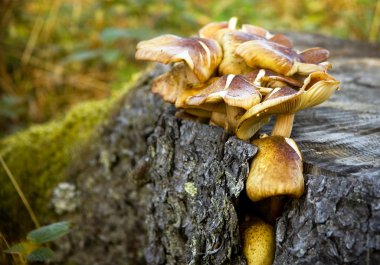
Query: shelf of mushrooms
(239, 78)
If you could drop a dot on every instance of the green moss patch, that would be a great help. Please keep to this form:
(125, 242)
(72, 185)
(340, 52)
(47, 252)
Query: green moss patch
(39, 158)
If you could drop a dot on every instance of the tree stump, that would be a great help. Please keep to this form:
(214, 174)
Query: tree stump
(155, 189)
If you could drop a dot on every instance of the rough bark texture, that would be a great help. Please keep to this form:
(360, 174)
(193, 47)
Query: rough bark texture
(159, 190)
(197, 173)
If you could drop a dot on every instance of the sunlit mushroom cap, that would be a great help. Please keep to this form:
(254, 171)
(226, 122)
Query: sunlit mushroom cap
(279, 58)
(234, 90)
(201, 55)
(276, 169)
(317, 88)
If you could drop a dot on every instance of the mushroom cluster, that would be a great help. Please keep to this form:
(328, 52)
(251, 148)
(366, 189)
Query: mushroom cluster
(238, 78)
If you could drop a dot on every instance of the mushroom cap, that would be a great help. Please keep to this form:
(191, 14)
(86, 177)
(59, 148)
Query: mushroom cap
(256, 30)
(314, 55)
(276, 169)
(201, 55)
(280, 100)
(276, 57)
(231, 63)
(317, 88)
(282, 39)
(212, 30)
(234, 90)
(215, 30)
(258, 242)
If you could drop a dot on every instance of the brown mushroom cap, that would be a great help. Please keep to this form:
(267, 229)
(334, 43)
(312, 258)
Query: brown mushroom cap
(234, 90)
(314, 55)
(276, 57)
(201, 55)
(276, 169)
(317, 88)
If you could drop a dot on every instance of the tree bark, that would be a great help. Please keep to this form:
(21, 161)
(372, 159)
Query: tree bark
(155, 189)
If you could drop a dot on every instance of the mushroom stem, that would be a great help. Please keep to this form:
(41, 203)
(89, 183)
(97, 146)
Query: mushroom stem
(284, 124)
(233, 116)
(271, 208)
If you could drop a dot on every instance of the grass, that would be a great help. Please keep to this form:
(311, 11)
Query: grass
(19, 192)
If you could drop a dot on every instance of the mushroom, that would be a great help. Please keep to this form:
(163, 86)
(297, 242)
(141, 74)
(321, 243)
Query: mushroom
(258, 242)
(234, 90)
(201, 55)
(275, 172)
(281, 59)
(285, 102)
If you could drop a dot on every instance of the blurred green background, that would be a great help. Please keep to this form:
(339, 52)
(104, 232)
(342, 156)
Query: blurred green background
(56, 53)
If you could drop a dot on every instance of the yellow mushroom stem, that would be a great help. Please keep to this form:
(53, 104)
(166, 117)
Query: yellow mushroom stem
(284, 124)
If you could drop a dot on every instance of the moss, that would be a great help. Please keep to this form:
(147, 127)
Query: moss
(39, 158)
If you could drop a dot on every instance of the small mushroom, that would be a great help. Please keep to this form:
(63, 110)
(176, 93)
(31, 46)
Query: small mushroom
(281, 59)
(276, 169)
(275, 172)
(201, 55)
(234, 90)
(258, 242)
(285, 102)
